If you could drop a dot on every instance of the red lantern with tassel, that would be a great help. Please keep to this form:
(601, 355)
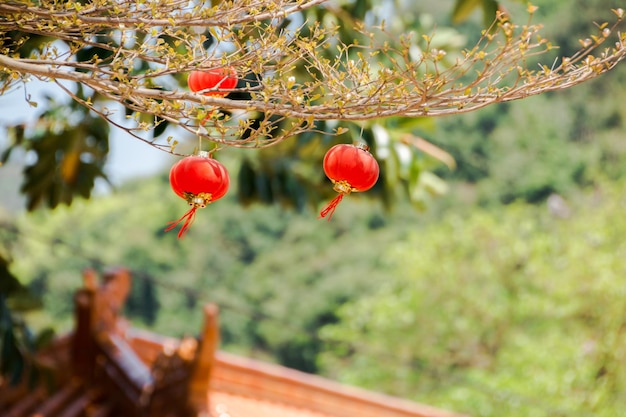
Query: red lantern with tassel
(224, 78)
(351, 168)
(200, 180)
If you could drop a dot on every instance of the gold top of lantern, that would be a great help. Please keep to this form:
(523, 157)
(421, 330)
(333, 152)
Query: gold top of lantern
(343, 187)
(200, 200)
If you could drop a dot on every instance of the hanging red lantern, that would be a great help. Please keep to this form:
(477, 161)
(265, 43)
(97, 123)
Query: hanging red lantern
(200, 180)
(351, 168)
(224, 78)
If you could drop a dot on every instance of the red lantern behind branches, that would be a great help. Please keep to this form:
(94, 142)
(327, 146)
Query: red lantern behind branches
(351, 168)
(224, 78)
(200, 180)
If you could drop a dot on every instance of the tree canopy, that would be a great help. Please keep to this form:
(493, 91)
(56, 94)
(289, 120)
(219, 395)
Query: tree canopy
(487, 312)
(308, 71)
(292, 67)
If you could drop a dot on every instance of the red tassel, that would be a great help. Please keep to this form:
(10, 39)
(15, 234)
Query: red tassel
(330, 208)
(189, 217)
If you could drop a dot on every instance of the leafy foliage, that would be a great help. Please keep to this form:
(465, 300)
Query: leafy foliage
(464, 8)
(69, 146)
(17, 341)
(257, 263)
(498, 302)
(554, 143)
(482, 312)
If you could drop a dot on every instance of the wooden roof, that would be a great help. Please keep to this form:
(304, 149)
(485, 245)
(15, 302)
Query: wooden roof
(107, 369)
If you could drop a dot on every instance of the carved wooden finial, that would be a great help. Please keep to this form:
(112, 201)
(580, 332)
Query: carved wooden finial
(90, 279)
(204, 361)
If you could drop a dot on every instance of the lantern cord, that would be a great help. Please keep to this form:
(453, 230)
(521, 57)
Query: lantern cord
(330, 208)
(188, 217)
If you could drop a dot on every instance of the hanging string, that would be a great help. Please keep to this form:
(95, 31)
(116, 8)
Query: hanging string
(330, 207)
(188, 217)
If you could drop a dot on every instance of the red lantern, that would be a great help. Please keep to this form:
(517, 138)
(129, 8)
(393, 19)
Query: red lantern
(351, 168)
(222, 78)
(200, 180)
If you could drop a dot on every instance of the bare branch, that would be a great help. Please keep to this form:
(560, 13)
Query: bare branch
(140, 51)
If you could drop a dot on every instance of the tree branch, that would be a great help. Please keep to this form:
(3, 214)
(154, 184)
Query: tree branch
(297, 85)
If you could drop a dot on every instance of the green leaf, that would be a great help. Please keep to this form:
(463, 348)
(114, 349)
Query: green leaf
(245, 183)
(490, 8)
(44, 338)
(434, 185)
(160, 127)
(8, 282)
(463, 9)
(16, 133)
(11, 360)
